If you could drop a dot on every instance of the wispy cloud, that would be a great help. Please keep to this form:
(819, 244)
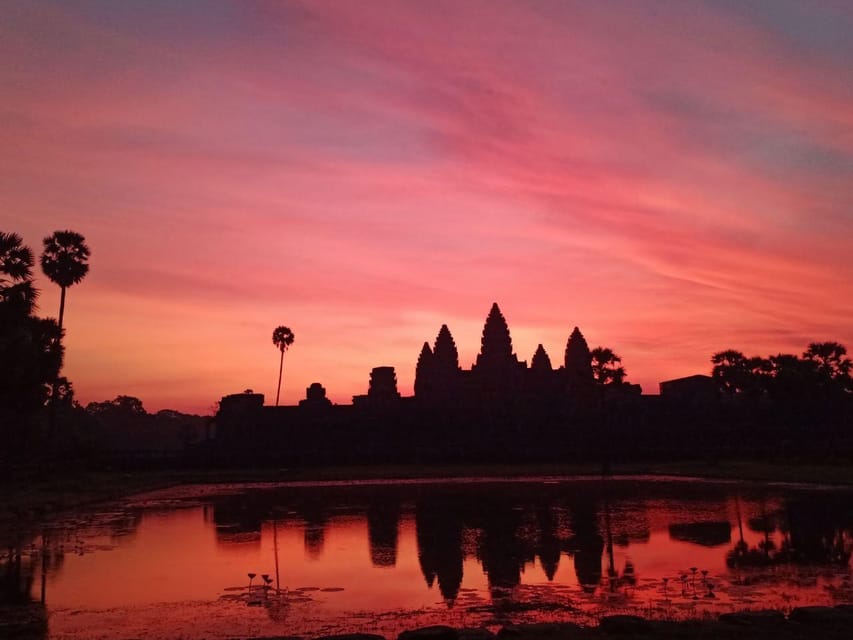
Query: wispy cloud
(674, 178)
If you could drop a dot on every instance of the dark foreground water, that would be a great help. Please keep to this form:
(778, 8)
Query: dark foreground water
(218, 561)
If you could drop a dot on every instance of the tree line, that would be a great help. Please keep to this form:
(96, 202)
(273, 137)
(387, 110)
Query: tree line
(31, 347)
(823, 372)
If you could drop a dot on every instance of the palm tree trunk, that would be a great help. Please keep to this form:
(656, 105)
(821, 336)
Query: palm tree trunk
(280, 369)
(61, 308)
(51, 427)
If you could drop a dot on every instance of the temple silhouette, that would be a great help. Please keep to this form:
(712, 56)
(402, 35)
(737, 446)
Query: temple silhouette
(498, 376)
(500, 408)
(504, 410)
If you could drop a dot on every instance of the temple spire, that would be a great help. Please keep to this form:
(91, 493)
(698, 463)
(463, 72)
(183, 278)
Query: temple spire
(445, 354)
(423, 371)
(578, 360)
(541, 361)
(496, 345)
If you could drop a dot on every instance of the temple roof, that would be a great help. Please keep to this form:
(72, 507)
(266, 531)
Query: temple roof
(541, 361)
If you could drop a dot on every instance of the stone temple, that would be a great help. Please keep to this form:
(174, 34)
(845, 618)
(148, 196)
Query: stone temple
(498, 376)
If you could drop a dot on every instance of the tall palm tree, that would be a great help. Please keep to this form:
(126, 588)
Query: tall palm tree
(16, 274)
(282, 338)
(606, 366)
(64, 262)
(30, 347)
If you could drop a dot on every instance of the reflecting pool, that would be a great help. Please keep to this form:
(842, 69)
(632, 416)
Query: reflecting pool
(219, 561)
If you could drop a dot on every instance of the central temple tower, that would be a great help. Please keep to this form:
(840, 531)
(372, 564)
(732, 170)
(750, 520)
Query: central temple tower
(497, 371)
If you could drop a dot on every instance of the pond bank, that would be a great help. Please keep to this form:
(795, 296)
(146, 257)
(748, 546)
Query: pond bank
(829, 623)
(803, 622)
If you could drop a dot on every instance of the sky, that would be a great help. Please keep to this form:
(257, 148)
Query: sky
(675, 178)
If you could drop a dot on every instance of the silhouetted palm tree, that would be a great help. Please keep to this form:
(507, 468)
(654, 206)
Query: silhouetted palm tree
(606, 366)
(830, 360)
(64, 262)
(16, 274)
(282, 338)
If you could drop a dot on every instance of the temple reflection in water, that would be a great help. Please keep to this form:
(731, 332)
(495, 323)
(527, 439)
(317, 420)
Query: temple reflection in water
(590, 529)
(457, 551)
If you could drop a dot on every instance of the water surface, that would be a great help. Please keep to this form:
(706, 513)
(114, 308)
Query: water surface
(386, 556)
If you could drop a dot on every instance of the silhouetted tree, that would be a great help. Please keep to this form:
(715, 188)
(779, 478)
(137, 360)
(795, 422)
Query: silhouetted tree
(122, 424)
(808, 394)
(62, 393)
(729, 370)
(31, 353)
(30, 347)
(831, 364)
(17, 293)
(738, 375)
(64, 262)
(791, 377)
(282, 338)
(126, 405)
(606, 366)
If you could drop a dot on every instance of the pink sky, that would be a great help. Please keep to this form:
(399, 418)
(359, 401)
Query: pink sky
(674, 178)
